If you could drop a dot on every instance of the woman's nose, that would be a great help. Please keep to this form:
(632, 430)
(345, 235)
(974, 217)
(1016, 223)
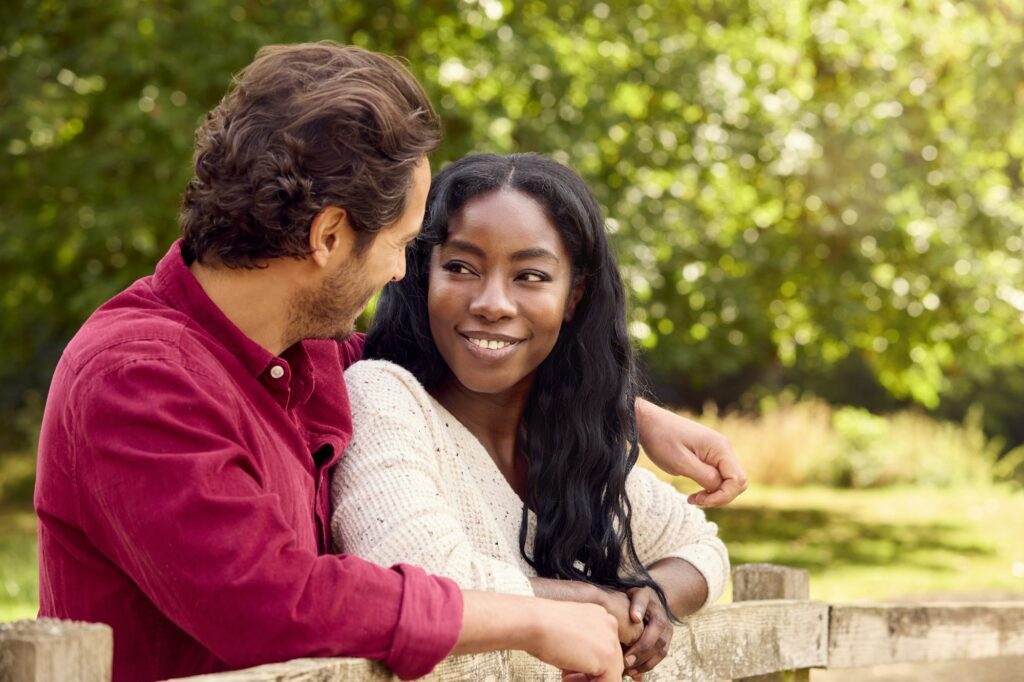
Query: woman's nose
(493, 301)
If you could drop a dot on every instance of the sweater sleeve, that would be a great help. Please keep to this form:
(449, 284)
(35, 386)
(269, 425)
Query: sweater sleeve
(665, 525)
(391, 501)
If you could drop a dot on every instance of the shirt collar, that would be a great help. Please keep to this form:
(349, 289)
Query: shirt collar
(289, 377)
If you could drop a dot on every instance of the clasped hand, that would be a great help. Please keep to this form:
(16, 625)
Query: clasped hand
(645, 629)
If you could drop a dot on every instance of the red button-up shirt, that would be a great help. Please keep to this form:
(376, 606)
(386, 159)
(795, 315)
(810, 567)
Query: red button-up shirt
(183, 498)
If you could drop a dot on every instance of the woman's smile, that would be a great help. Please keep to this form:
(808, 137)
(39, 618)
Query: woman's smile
(491, 347)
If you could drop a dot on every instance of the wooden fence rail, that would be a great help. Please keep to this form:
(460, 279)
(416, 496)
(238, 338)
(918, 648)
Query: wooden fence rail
(771, 632)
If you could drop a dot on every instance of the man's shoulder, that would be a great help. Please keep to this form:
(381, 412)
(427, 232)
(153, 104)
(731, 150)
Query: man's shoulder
(133, 326)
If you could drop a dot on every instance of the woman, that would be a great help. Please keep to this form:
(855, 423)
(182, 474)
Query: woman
(496, 444)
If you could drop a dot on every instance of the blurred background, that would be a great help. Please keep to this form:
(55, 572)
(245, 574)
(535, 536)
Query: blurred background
(817, 205)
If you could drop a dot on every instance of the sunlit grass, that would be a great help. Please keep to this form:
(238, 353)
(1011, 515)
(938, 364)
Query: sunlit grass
(19, 587)
(883, 544)
(911, 507)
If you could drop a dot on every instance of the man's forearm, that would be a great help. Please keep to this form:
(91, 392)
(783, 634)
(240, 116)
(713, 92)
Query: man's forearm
(567, 590)
(492, 621)
(570, 636)
(682, 447)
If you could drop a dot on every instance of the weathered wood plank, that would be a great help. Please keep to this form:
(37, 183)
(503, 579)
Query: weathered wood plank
(876, 634)
(750, 638)
(48, 650)
(305, 670)
(768, 581)
(722, 642)
(485, 667)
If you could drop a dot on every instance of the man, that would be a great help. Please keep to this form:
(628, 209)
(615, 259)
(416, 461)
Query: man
(182, 487)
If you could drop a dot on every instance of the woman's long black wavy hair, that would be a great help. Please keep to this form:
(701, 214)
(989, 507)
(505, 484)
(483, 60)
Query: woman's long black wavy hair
(578, 434)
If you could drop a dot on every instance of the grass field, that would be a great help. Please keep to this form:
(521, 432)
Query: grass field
(886, 543)
(857, 544)
(19, 589)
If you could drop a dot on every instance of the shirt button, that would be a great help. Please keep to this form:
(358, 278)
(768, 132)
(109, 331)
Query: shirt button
(277, 371)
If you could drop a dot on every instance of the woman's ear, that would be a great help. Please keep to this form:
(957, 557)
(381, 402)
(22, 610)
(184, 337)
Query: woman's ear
(575, 294)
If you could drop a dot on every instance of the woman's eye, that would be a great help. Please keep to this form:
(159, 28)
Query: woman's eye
(457, 268)
(534, 277)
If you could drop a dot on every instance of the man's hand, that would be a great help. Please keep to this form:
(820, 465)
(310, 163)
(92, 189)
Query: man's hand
(614, 602)
(575, 638)
(581, 639)
(682, 447)
(652, 647)
(618, 605)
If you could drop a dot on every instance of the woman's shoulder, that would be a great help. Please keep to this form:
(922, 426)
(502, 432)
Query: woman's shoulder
(373, 376)
(381, 380)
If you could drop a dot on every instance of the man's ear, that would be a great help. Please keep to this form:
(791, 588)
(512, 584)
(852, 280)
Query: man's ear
(330, 235)
(578, 287)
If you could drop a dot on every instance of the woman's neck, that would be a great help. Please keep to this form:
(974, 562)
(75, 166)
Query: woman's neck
(494, 419)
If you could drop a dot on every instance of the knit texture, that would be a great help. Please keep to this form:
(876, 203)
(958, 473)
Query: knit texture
(416, 486)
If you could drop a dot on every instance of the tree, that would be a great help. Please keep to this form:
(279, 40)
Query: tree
(796, 188)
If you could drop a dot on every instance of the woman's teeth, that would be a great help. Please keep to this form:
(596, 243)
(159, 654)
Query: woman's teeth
(490, 344)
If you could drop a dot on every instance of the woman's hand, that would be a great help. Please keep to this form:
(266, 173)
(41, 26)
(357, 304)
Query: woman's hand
(682, 447)
(653, 645)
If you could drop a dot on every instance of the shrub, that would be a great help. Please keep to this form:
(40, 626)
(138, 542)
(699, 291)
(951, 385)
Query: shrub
(809, 442)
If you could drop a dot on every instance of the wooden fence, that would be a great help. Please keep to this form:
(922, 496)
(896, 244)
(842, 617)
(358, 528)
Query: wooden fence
(771, 632)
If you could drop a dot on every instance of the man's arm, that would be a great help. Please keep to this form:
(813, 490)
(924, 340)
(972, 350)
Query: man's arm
(574, 637)
(171, 494)
(682, 447)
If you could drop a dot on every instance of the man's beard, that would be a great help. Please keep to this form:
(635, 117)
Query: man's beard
(330, 311)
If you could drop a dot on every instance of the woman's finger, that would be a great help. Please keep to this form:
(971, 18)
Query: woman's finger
(652, 647)
(639, 600)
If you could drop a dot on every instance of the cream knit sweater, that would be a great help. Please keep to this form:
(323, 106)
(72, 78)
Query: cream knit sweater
(415, 486)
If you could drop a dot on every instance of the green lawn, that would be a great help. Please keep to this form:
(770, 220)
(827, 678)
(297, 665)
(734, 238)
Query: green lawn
(887, 543)
(857, 544)
(19, 589)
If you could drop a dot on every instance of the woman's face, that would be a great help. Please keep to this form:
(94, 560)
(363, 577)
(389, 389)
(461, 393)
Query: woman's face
(499, 291)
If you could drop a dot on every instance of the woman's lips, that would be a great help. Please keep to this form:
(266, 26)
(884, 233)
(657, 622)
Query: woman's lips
(491, 346)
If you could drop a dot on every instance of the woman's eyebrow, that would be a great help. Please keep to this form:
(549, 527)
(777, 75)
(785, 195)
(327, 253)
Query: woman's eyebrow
(535, 252)
(461, 245)
(522, 254)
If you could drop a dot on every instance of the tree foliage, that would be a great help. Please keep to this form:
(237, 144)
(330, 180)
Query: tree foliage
(820, 192)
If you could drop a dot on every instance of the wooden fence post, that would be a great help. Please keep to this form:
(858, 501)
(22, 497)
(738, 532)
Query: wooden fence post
(752, 582)
(49, 650)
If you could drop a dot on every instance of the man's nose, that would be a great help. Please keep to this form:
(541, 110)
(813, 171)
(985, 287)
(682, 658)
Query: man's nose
(493, 301)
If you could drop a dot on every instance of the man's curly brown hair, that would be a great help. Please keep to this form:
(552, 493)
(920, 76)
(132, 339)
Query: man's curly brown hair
(304, 127)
